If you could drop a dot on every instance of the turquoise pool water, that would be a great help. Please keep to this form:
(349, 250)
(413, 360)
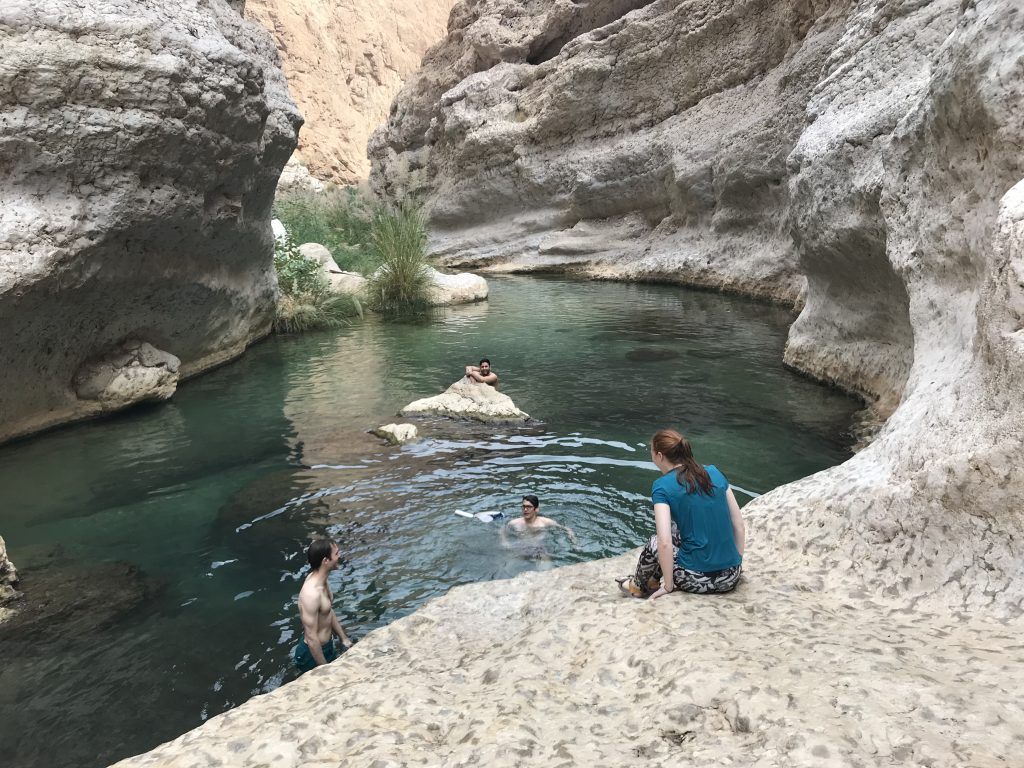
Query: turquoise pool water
(215, 494)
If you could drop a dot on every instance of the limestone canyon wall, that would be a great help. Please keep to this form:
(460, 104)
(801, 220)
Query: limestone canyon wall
(140, 145)
(345, 61)
(858, 158)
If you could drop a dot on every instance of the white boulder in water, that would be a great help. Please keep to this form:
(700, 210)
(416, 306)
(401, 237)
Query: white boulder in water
(396, 434)
(469, 399)
(463, 288)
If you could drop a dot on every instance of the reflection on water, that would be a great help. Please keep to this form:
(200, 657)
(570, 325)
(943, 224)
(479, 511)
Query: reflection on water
(216, 494)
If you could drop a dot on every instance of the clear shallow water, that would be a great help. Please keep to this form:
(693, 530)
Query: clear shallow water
(215, 494)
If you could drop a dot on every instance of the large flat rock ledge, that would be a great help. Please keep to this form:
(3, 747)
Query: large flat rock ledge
(557, 669)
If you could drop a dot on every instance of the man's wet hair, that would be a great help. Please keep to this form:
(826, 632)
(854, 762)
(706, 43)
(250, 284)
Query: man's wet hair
(485, 360)
(318, 551)
(533, 501)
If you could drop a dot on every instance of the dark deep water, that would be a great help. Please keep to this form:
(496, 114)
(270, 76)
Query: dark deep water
(214, 495)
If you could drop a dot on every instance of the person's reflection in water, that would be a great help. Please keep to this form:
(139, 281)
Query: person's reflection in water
(527, 535)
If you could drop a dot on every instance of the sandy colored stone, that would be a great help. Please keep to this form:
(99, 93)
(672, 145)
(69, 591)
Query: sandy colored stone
(345, 60)
(133, 372)
(462, 288)
(141, 145)
(469, 399)
(396, 434)
(295, 177)
(557, 669)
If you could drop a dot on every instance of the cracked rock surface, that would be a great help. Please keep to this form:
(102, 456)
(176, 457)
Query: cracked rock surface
(141, 144)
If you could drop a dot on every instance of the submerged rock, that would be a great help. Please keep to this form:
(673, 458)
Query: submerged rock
(141, 144)
(396, 434)
(469, 399)
(67, 600)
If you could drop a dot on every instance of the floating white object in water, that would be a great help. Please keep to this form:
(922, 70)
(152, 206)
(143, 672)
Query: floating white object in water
(483, 517)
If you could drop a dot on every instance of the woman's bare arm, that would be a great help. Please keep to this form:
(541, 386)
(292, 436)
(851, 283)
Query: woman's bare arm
(663, 526)
(739, 530)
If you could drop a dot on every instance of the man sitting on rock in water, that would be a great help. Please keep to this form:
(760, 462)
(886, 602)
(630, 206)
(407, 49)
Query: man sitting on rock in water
(533, 525)
(483, 373)
(319, 623)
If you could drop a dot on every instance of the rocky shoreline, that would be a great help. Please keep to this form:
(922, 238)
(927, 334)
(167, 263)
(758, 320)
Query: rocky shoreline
(861, 158)
(557, 669)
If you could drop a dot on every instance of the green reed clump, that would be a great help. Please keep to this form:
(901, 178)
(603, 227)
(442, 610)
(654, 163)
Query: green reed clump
(400, 286)
(306, 302)
(340, 219)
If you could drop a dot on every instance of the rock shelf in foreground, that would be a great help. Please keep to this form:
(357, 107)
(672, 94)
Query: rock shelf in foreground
(557, 669)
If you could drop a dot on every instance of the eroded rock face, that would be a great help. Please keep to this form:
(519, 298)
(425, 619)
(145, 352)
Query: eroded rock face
(857, 158)
(653, 145)
(469, 399)
(345, 61)
(932, 510)
(141, 145)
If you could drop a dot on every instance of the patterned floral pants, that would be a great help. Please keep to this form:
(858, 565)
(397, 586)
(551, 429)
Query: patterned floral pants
(648, 572)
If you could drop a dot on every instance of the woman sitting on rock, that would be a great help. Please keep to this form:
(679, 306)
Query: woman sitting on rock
(700, 531)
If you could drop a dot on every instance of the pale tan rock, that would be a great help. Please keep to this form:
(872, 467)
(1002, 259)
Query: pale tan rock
(345, 60)
(549, 134)
(141, 145)
(8, 573)
(469, 399)
(462, 288)
(347, 282)
(510, 673)
(295, 177)
(396, 434)
(340, 281)
(134, 372)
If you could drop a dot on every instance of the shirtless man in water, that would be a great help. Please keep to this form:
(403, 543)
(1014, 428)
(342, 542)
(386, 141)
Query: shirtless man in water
(532, 524)
(483, 373)
(319, 624)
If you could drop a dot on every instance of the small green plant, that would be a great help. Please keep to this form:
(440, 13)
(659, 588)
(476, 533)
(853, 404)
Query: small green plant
(306, 302)
(338, 219)
(400, 286)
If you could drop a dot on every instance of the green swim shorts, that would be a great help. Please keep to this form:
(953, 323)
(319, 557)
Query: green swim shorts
(304, 659)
